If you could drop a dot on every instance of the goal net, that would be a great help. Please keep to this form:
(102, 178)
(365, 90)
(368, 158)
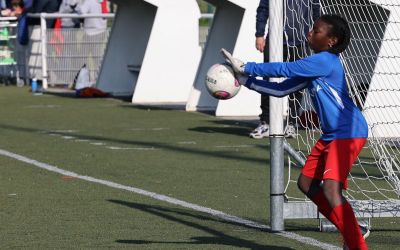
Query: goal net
(372, 65)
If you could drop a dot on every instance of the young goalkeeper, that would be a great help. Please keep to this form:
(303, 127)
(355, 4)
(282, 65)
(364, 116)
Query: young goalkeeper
(344, 129)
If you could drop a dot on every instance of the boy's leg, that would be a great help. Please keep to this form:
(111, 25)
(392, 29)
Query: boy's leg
(310, 179)
(340, 156)
(344, 219)
(312, 189)
(321, 164)
(341, 215)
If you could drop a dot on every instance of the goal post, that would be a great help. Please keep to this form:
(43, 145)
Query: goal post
(275, 30)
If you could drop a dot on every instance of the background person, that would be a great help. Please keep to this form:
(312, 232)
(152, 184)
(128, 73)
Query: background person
(45, 6)
(15, 10)
(300, 15)
(69, 7)
(94, 33)
(93, 25)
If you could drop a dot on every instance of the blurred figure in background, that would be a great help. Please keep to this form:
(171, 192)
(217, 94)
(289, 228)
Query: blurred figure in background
(46, 6)
(94, 34)
(16, 8)
(93, 25)
(69, 7)
(294, 47)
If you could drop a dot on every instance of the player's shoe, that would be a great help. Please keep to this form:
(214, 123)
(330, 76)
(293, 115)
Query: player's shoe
(365, 233)
(261, 131)
(290, 131)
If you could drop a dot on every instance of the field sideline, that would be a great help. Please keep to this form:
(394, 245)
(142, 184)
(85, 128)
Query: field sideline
(192, 158)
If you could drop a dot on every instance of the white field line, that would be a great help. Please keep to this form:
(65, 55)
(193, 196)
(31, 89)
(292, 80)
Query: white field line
(131, 148)
(171, 200)
(234, 146)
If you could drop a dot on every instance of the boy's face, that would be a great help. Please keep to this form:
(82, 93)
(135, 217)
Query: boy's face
(319, 38)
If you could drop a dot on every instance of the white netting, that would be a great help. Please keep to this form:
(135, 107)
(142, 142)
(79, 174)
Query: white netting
(372, 64)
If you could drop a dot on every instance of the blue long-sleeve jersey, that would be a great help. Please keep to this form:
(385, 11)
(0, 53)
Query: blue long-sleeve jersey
(324, 76)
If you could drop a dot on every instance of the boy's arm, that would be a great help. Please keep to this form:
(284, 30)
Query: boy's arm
(310, 67)
(282, 89)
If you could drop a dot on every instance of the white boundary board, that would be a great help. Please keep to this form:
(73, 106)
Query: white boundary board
(153, 51)
(233, 28)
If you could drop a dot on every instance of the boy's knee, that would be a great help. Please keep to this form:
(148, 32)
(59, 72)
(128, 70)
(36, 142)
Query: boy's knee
(303, 184)
(302, 187)
(333, 192)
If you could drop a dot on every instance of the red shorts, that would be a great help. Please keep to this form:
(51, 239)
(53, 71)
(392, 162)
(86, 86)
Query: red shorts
(333, 159)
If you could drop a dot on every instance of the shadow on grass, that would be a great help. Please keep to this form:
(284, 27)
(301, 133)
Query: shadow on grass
(196, 221)
(68, 93)
(222, 130)
(231, 127)
(156, 107)
(165, 146)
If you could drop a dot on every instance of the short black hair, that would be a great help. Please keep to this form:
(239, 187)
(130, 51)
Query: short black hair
(339, 29)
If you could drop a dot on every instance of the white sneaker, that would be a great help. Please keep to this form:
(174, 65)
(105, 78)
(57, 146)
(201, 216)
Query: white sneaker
(261, 131)
(365, 231)
(290, 131)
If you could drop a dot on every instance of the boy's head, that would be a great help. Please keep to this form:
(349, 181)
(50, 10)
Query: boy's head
(330, 33)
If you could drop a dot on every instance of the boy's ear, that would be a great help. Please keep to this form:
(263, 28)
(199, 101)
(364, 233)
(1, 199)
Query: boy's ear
(332, 41)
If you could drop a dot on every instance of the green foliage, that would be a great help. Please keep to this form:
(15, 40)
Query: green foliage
(205, 7)
(205, 22)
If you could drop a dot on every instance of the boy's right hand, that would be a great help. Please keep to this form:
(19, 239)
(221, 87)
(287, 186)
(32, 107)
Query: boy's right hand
(237, 64)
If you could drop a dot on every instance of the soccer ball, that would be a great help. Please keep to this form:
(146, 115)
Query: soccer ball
(221, 82)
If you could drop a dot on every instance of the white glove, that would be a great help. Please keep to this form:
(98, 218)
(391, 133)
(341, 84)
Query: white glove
(237, 64)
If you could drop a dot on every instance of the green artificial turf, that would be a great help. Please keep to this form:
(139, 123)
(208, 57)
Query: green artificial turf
(193, 157)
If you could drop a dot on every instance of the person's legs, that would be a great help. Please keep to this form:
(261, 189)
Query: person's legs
(335, 208)
(93, 49)
(264, 116)
(310, 179)
(262, 130)
(331, 161)
(312, 189)
(342, 215)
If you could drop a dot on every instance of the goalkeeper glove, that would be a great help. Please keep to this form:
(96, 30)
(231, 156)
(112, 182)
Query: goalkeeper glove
(237, 64)
(241, 79)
